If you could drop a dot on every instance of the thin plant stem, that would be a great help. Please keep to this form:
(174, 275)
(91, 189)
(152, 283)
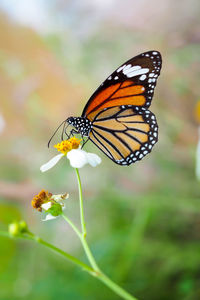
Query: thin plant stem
(99, 274)
(31, 236)
(94, 269)
(83, 237)
(73, 226)
(83, 226)
(89, 254)
(115, 288)
(84, 243)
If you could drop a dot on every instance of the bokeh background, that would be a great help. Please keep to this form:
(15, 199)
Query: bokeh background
(143, 221)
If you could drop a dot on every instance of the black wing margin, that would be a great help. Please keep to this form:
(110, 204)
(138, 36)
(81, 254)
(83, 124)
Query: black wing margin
(126, 136)
(143, 69)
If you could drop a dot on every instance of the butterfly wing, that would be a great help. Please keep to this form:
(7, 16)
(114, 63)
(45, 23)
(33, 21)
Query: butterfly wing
(133, 84)
(124, 135)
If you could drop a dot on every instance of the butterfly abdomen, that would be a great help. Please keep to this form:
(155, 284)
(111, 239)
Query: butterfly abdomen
(81, 124)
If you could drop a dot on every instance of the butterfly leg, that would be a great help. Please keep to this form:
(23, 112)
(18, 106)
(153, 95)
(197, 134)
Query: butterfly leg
(64, 131)
(84, 142)
(68, 136)
(72, 132)
(62, 136)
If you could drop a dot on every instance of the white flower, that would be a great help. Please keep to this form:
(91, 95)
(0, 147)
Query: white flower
(52, 206)
(46, 205)
(77, 157)
(93, 159)
(51, 163)
(60, 197)
(48, 217)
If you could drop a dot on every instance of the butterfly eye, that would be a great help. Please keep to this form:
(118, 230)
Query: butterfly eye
(70, 120)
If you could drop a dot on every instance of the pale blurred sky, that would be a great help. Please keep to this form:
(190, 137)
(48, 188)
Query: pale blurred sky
(82, 18)
(32, 12)
(43, 15)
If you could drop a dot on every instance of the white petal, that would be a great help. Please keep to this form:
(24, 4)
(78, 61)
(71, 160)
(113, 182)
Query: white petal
(60, 197)
(77, 157)
(93, 159)
(49, 217)
(50, 164)
(47, 205)
(63, 206)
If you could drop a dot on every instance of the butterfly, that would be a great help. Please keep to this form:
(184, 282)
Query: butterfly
(116, 117)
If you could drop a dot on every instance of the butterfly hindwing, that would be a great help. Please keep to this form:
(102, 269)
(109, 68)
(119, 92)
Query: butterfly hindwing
(124, 135)
(116, 117)
(133, 83)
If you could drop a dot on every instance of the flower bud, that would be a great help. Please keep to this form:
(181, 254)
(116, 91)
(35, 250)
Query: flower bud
(17, 228)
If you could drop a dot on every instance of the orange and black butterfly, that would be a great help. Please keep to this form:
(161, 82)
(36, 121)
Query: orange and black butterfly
(116, 117)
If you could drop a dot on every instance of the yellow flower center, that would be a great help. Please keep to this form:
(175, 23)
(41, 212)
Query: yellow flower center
(67, 145)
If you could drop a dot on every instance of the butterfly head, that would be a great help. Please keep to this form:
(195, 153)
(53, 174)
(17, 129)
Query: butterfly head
(71, 120)
(81, 124)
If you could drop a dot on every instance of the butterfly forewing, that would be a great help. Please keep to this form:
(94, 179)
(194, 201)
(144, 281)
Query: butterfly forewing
(116, 117)
(132, 84)
(124, 135)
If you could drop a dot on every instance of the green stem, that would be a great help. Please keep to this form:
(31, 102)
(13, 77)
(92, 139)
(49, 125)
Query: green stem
(89, 254)
(115, 288)
(72, 225)
(99, 274)
(31, 236)
(84, 243)
(83, 236)
(83, 226)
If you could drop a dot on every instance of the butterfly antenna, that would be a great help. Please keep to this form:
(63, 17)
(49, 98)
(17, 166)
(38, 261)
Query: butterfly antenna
(64, 122)
(64, 131)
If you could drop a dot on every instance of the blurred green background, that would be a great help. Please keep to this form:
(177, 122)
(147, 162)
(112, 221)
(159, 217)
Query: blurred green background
(143, 221)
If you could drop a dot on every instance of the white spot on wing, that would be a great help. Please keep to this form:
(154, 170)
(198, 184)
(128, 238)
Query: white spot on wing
(126, 67)
(137, 72)
(131, 69)
(143, 77)
(121, 68)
